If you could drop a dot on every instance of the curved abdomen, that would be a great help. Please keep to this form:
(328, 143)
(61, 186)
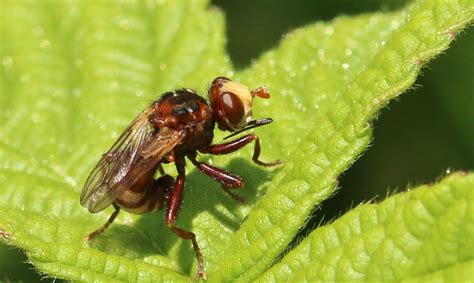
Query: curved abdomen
(147, 198)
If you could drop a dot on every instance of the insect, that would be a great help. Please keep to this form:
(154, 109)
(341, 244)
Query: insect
(176, 126)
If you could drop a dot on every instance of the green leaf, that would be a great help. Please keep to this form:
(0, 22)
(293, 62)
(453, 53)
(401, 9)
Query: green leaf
(422, 235)
(75, 73)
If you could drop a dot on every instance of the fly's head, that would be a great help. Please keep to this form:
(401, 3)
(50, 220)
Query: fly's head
(232, 104)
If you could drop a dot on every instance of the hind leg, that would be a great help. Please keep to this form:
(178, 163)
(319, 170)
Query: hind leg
(91, 236)
(156, 195)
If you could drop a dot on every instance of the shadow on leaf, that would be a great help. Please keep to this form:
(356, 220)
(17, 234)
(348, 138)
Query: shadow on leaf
(151, 237)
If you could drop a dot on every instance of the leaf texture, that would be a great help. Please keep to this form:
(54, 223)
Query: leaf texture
(74, 74)
(421, 235)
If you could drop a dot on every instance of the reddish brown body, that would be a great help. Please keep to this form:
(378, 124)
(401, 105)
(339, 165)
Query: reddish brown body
(180, 111)
(185, 111)
(173, 128)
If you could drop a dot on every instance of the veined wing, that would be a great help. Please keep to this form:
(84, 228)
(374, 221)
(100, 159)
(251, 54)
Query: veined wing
(150, 156)
(116, 163)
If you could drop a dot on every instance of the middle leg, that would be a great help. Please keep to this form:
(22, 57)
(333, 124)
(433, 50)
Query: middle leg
(227, 179)
(91, 236)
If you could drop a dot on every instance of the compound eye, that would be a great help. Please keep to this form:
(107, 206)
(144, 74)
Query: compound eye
(233, 108)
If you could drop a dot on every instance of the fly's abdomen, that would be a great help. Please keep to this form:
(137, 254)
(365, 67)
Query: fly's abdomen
(149, 199)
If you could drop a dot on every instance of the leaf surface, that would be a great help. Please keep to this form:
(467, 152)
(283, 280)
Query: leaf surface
(74, 74)
(422, 235)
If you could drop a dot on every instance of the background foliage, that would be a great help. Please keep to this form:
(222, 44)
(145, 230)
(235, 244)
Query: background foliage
(425, 133)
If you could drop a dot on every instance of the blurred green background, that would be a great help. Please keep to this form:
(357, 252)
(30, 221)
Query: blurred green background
(420, 137)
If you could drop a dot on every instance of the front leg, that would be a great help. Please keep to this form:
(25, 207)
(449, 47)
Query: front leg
(172, 211)
(228, 147)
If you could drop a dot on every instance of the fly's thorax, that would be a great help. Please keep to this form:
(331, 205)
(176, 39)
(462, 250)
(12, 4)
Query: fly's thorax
(186, 112)
(179, 109)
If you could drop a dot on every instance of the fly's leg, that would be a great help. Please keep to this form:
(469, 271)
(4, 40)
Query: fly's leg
(227, 179)
(156, 193)
(99, 231)
(228, 147)
(172, 211)
(224, 177)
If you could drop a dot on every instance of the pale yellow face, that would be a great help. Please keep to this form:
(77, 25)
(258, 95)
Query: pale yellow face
(245, 97)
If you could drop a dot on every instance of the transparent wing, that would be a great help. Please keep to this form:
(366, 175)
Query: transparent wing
(113, 173)
(149, 158)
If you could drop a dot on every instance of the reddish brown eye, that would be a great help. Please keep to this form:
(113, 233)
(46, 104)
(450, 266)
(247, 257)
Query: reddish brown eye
(233, 108)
